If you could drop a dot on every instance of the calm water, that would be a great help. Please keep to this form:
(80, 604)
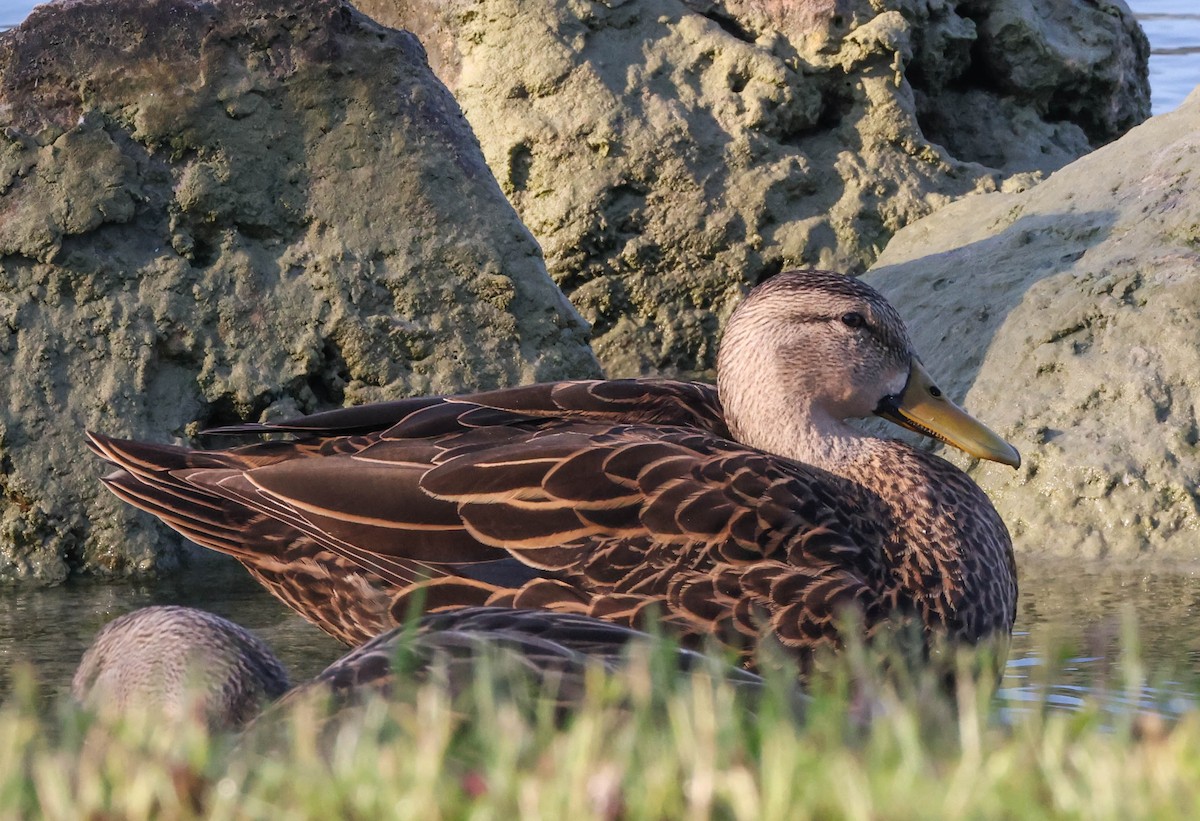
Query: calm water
(1073, 621)
(1173, 27)
(51, 627)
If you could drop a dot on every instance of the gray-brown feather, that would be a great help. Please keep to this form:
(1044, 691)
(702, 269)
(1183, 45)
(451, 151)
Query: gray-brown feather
(181, 662)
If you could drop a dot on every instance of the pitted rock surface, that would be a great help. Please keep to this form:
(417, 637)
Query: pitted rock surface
(1068, 318)
(668, 153)
(216, 211)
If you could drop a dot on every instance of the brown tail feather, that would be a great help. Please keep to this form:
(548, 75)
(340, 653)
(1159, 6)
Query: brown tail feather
(203, 496)
(147, 479)
(142, 458)
(207, 532)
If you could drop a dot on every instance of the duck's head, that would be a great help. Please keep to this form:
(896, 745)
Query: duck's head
(807, 350)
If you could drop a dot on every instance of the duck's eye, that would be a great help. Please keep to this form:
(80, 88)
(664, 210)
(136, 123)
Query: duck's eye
(853, 319)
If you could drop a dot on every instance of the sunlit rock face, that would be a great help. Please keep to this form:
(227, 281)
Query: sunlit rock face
(1068, 316)
(667, 153)
(217, 211)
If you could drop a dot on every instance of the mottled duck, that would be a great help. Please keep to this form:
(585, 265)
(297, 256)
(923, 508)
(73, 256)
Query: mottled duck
(739, 511)
(184, 663)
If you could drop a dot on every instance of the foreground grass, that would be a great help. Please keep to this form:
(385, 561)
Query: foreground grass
(648, 744)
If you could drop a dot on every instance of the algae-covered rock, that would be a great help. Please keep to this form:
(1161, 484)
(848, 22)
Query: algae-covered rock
(666, 153)
(218, 211)
(1069, 317)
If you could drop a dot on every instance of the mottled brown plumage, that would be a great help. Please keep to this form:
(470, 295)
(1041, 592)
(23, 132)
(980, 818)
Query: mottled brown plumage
(182, 662)
(762, 512)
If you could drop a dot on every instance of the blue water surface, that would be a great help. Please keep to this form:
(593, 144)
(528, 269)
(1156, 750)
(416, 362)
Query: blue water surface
(1173, 27)
(13, 12)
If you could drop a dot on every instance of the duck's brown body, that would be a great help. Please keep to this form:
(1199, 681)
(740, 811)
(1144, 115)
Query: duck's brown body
(617, 499)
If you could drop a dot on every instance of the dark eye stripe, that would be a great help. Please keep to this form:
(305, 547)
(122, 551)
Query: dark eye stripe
(881, 333)
(815, 319)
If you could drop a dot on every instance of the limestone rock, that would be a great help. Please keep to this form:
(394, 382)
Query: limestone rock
(1069, 317)
(668, 153)
(219, 211)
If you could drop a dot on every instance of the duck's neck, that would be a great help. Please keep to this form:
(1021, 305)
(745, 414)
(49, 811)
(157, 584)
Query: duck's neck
(926, 517)
(797, 430)
(773, 405)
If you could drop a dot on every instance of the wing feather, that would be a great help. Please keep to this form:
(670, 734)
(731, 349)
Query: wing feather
(620, 499)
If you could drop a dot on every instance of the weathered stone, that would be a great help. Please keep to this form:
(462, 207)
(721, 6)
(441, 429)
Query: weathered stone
(220, 211)
(1069, 317)
(666, 153)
